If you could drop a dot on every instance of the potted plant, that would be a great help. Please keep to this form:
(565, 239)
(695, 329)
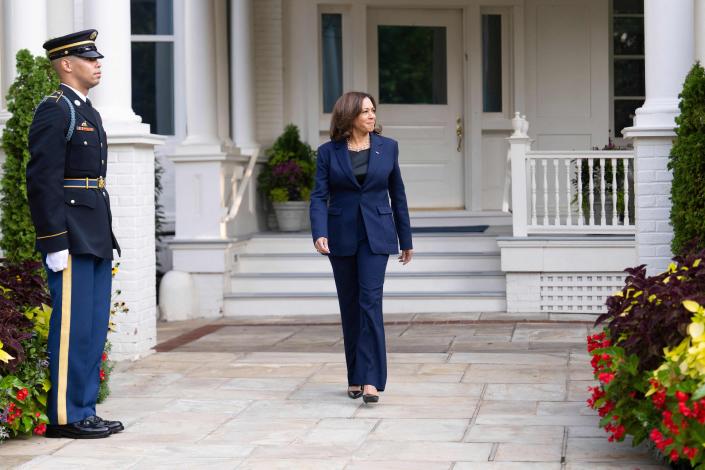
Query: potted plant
(287, 179)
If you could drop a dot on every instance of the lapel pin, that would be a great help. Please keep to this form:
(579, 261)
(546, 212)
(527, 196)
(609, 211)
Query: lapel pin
(377, 152)
(77, 103)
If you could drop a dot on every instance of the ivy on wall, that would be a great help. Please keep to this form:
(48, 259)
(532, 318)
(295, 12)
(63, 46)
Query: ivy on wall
(35, 80)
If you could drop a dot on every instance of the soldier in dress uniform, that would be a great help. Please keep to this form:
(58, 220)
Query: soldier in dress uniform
(70, 209)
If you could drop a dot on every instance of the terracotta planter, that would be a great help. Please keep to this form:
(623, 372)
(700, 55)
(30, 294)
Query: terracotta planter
(291, 215)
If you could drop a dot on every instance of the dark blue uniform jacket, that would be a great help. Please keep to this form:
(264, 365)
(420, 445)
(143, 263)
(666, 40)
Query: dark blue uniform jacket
(337, 199)
(69, 218)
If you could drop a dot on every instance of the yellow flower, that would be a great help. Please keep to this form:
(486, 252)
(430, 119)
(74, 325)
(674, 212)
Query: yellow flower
(4, 356)
(692, 306)
(696, 329)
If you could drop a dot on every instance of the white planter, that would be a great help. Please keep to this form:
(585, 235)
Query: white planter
(291, 215)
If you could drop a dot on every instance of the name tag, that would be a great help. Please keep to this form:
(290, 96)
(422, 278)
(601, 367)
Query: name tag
(85, 129)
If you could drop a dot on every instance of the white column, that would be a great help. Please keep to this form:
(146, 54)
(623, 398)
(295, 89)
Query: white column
(669, 51)
(61, 14)
(242, 96)
(699, 27)
(130, 178)
(202, 172)
(113, 97)
(24, 27)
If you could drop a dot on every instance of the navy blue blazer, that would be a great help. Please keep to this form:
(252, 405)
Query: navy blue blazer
(337, 197)
(68, 218)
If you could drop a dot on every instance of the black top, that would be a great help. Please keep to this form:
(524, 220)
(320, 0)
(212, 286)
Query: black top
(359, 161)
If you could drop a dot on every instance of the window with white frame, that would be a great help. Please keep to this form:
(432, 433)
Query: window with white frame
(628, 76)
(334, 55)
(152, 29)
(495, 61)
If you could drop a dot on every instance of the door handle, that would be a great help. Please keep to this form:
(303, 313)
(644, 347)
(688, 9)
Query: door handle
(459, 133)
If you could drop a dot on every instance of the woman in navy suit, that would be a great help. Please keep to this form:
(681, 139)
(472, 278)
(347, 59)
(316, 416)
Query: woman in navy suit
(353, 223)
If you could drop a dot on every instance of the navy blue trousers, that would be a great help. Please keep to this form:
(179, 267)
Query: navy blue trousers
(359, 280)
(80, 297)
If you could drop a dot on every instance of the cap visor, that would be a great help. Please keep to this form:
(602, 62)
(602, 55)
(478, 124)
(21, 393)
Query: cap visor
(89, 55)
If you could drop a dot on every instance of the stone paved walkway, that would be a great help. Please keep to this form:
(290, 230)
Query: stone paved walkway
(269, 394)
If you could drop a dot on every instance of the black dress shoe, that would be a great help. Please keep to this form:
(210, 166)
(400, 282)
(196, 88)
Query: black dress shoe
(84, 429)
(355, 394)
(113, 426)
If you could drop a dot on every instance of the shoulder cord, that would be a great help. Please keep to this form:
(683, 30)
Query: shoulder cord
(72, 115)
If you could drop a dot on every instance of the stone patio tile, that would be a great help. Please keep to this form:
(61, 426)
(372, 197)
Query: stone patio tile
(160, 367)
(336, 431)
(416, 358)
(435, 389)
(508, 408)
(279, 384)
(465, 409)
(447, 329)
(56, 462)
(491, 373)
(582, 373)
(305, 451)
(515, 452)
(449, 430)
(507, 466)
(565, 408)
(16, 461)
(514, 434)
(297, 409)
(289, 464)
(235, 370)
(554, 333)
(398, 465)
(505, 316)
(405, 399)
(31, 446)
(444, 317)
(463, 345)
(316, 391)
(291, 358)
(535, 359)
(227, 407)
(598, 449)
(424, 451)
(432, 344)
(185, 426)
(273, 431)
(141, 385)
(199, 358)
(191, 463)
(188, 387)
(587, 431)
(578, 389)
(533, 391)
(616, 466)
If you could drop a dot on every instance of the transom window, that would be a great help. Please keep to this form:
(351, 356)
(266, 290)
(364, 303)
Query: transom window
(628, 79)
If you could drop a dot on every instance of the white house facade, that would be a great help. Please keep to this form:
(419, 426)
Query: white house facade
(501, 109)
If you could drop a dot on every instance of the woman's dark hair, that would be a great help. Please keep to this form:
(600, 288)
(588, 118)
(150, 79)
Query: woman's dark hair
(345, 111)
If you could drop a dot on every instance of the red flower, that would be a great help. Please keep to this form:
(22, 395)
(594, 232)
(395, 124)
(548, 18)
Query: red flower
(605, 377)
(102, 375)
(40, 429)
(690, 452)
(105, 357)
(681, 396)
(22, 394)
(37, 414)
(605, 409)
(659, 398)
(674, 455)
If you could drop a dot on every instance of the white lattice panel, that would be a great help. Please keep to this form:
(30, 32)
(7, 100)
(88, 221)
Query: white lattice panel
(578, 292)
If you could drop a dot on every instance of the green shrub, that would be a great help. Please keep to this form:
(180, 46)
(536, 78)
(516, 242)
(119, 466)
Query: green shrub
(687, 162)
(290, 168)
(35, 80)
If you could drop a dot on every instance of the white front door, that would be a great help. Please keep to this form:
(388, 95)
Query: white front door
(415, 73)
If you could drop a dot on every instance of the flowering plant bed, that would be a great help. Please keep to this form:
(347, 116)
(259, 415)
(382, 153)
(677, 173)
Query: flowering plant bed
(24, 366)
(649, 361)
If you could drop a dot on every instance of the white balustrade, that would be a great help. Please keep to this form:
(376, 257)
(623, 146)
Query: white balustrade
(582, 192)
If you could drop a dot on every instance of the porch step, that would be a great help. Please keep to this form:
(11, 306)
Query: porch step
(317, 303)
(400, 282)
(301, 242)
(423, 262)
(281, 274)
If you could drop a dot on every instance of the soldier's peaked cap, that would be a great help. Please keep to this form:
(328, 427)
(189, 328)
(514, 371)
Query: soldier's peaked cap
(81, 44)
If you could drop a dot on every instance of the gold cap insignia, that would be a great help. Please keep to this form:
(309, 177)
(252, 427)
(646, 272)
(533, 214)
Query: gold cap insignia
(93, 35)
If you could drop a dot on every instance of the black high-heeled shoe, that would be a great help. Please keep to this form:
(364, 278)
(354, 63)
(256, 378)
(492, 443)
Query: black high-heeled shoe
(355, 394)
(368, 397)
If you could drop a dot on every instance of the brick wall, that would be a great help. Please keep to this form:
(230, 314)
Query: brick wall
(269, 72)
(131, 183)
(653, 204)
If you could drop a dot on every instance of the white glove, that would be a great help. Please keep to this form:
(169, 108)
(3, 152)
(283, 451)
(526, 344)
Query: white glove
(58, 261)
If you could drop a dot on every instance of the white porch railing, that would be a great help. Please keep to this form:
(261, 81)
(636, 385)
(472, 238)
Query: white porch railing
(569, 192)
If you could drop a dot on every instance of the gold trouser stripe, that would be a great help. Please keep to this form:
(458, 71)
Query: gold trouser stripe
(64, 344)
(52, 235)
